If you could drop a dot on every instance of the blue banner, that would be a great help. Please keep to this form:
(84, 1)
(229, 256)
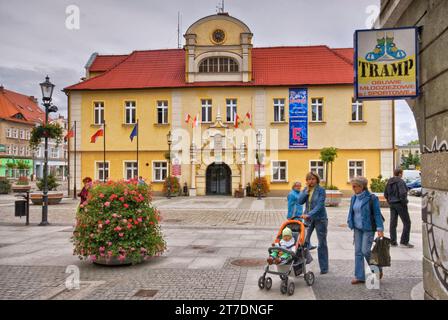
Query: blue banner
(298, 118)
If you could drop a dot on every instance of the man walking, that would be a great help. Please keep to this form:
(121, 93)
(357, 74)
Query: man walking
(396, 194)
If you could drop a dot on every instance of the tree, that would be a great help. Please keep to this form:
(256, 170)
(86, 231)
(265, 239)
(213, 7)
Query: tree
(328, 155)
(410, 160)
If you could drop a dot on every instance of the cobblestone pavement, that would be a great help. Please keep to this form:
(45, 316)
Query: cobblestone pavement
(204, 236)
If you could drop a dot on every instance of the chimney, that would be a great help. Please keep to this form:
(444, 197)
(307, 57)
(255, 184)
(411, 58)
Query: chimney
(2, 89)
(33, 98)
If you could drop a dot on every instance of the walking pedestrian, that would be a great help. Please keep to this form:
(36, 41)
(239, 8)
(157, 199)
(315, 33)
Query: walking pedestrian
(313, 196)
(364, 218)
(396, 194)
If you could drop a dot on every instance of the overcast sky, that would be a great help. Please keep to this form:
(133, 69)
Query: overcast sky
(36, 42)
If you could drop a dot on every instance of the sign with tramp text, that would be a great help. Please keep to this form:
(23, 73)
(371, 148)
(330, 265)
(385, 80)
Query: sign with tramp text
(386, 63)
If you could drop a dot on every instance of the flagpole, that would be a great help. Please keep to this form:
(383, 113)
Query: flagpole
(104, 150)
(74, 166)
(137, 151)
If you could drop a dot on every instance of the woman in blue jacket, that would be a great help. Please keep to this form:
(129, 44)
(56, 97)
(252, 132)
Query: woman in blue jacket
(313, 197)
(364, 223)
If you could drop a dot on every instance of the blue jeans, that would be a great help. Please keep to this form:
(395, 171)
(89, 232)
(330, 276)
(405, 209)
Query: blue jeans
(363, 245)
(321, 227)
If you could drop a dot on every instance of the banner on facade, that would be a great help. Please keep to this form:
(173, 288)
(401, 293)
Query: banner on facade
(386, 63)
(298, 118)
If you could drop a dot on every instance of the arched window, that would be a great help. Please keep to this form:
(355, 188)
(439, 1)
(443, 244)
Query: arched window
(218, 64)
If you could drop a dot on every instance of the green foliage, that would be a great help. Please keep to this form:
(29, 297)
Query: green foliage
(378, 184)
(413, 143)
(52, 131)
(410, 160)
(328, 156)
(118, 221)
(174, 186)
(52, 183)
(11, 165)
(22, 165)
(331, 187)
(264, 187)
(5, 186)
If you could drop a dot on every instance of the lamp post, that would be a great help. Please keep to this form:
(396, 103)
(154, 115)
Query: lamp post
(169, 139)
(47, 91)
(258, 136)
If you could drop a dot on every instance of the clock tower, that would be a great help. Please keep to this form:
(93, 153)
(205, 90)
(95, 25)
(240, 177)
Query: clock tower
(218, 48)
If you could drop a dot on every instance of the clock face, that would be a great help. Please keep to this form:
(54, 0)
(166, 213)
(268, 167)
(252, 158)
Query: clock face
(218, 36)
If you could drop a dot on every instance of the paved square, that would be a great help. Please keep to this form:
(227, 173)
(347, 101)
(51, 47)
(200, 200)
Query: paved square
(204, 236)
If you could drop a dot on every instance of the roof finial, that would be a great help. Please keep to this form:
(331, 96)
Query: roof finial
(220, 8)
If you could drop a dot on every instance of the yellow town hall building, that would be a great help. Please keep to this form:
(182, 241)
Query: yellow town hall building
(214, 95)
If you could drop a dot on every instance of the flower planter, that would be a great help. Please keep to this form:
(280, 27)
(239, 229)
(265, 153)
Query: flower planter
(333, 198)
(383, 202)
(21, 188)
(53, 197)
(114, 261)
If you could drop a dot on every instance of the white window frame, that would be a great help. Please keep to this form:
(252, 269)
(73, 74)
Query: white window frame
(97, 170)
(98, 112)
(15, 133)
(364, 170)
(8, 132)
(15, 149)
(323, 168)
(134, 169)
(162, 105)
(358, 105)
(22, 150)
(54, 152)
(22, 134)
(28, 135)
(206, 104)
(279, 109)
(130, 112)
(231, 105)
(315, 104)
(154, 168)
(273, 179)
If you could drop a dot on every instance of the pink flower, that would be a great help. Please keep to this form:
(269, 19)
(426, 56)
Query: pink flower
(93, 257)
(109, 243)
(102, 249)
(114, 215)
(126, 205)
(107, 204)
(125, 221)
(110, 253)
(121, 257)
(121, 235)
(139, 219)
(121, 199)
(129, 226)
(107, 221)
(100, 226)
(101, 195)
(117, 228)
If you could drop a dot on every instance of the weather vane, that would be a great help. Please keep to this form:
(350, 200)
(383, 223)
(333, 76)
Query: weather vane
(220, 7)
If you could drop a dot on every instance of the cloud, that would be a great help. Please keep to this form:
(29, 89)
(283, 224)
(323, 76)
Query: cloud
(405, 125)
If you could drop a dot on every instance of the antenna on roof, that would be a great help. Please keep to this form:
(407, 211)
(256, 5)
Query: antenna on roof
(178, 30)
(220, 8)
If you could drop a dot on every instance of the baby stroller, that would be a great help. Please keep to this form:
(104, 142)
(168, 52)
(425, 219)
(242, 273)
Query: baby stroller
(296, 263)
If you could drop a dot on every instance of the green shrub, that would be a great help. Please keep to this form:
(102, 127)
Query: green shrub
(5, 186)
(331, 188)
(378, 184)
(118, 221)
(52, 183)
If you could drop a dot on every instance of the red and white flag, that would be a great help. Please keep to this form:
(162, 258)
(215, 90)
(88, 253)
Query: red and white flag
(99, 133)
(249, 116)
(235, 121)
(187, 118)
(195, 121)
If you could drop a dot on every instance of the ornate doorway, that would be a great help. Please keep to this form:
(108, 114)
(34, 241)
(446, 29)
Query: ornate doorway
(218, 179)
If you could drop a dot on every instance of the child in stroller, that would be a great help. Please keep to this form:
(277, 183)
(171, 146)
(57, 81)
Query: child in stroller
(293, 259)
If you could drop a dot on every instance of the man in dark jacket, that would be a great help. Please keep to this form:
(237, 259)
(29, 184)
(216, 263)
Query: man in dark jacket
(396, 194)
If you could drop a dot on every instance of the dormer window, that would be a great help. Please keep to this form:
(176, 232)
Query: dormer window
(218, 65)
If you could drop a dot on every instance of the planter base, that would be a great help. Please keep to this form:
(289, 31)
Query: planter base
(53, 198)
(114, 262)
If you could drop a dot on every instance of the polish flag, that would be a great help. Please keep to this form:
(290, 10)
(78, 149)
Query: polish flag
(249, 116)
(70, 134)
(97, 134)
(187, 118)
(235, 121)
(195, 121)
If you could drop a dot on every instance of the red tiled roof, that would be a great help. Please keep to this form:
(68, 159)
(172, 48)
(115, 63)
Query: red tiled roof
(347, 53)
(13, 103)
(271, 66)
(105, 62)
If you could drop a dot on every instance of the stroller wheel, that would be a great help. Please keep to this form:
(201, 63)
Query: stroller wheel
(261, 282)
(291, 288)
(283, 277)
(284, 286)
(309, 278)
(268, 283)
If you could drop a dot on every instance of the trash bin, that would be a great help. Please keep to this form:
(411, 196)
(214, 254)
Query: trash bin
(20, 208)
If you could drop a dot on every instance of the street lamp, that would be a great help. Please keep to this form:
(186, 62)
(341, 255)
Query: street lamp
(47, 91)
(258, 136)
(169, 139)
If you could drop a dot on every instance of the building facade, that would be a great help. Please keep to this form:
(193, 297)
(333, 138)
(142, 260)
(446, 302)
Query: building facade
(214, 95)
(18, 115)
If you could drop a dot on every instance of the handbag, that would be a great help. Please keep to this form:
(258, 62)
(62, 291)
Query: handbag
(380, 254)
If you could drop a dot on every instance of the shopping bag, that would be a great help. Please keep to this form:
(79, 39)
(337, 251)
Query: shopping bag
(380, 255)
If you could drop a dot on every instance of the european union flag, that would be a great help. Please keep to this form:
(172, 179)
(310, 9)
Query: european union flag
(134, 132)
